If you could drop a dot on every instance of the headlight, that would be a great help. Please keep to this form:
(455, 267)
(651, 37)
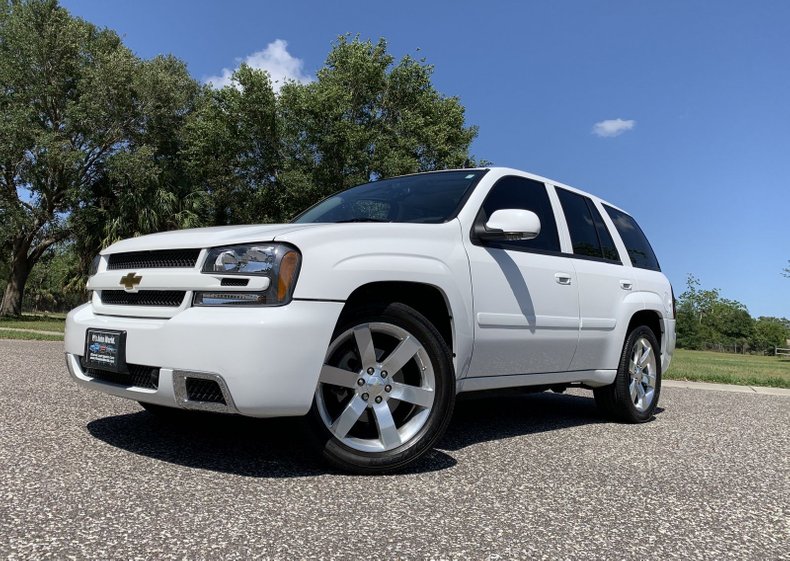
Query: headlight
(279, 262)
(94, 268)
(242, 259)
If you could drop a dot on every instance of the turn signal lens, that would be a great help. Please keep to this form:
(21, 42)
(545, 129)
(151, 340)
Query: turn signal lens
(287, 276)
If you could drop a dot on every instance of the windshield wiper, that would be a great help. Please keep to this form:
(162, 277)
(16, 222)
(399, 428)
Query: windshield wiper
(361, 220)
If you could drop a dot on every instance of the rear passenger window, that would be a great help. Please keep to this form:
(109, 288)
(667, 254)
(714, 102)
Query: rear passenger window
(522, 193)
(636, 243)
(589, 235)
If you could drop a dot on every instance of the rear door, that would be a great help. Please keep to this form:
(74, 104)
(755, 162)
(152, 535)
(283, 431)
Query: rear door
(525, 296)
(603, 282)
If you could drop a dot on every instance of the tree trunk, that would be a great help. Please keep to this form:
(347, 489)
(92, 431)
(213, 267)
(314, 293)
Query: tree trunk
(23, 257)
(15, 289)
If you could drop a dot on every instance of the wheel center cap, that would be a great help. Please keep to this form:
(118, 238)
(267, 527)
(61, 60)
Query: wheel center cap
(374, 388)
(374, 385)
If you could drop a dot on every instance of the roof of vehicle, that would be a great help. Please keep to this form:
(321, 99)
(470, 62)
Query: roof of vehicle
(507, 170)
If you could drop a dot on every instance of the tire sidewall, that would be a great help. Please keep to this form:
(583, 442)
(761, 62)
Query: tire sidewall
(622, 395)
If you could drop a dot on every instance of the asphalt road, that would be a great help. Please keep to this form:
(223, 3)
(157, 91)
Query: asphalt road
(541, 476)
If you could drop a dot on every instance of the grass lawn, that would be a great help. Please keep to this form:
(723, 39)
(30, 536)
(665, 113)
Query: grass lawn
(8, 334)
(726, 368)
(39, 322)
(48, 322)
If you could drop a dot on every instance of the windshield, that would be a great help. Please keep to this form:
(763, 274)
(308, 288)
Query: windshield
(425, 198)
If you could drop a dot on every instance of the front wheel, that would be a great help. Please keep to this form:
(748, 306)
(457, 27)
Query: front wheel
(386, 390)
(633, 396)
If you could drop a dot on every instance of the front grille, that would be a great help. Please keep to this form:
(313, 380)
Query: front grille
(163, 298)
(199, 389)
(158, 259)
(139, 376)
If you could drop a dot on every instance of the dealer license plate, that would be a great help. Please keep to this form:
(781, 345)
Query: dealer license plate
(105, 350)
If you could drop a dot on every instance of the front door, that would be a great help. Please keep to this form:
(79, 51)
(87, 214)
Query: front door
(526, 305)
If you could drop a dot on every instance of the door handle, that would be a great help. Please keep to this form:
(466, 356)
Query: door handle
(626, 284)
(562, 278)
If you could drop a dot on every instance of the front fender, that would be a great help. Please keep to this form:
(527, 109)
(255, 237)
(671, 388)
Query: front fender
(340, 258)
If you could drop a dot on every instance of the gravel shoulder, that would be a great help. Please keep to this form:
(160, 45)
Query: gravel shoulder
(540, 476)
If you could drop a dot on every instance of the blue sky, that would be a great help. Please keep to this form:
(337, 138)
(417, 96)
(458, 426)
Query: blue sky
(703, 85)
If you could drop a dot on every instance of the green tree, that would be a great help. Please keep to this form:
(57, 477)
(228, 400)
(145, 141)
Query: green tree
(770, 332)
(730, 323)
(79, 113)
(367, 117)
(145, 187)
(48, 286)
(704, 317)
(694, 306)
(265, 156)
(231, 151)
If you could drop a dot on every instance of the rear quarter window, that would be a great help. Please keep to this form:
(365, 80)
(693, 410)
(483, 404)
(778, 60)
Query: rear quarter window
(635, 241)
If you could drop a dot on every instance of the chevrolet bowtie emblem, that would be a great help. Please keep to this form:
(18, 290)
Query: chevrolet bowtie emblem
(130, 281)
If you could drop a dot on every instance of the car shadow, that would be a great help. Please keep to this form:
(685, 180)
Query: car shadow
(484, 416)
(266, 448)
(226, 444)
(515, 279)
(277, 448)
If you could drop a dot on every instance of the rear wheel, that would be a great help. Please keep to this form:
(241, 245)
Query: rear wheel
(633, 396)
(386, 390)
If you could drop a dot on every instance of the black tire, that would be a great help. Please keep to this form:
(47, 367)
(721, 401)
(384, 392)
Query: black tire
(615, 400)
(345, 457)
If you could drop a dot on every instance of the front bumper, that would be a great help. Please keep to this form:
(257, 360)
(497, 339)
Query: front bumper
(269, 359)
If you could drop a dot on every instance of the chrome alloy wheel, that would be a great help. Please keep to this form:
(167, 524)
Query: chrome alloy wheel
(376, 388)
(642, 369)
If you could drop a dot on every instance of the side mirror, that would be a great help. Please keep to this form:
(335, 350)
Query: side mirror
(511, 224)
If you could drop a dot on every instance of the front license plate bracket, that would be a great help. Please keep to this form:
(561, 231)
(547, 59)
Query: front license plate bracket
(105, 349)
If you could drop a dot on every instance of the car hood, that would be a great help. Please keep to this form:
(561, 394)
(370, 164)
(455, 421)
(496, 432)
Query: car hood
(207, 237)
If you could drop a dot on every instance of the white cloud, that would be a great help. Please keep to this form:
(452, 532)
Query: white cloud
(281, 65)
(613, 127)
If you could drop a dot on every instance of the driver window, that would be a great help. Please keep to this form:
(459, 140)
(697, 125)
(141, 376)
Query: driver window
(522, 193)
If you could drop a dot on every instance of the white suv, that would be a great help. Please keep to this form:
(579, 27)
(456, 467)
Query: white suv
(374, 308)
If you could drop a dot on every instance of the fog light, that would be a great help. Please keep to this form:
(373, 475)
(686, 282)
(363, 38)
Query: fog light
(229, 299)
